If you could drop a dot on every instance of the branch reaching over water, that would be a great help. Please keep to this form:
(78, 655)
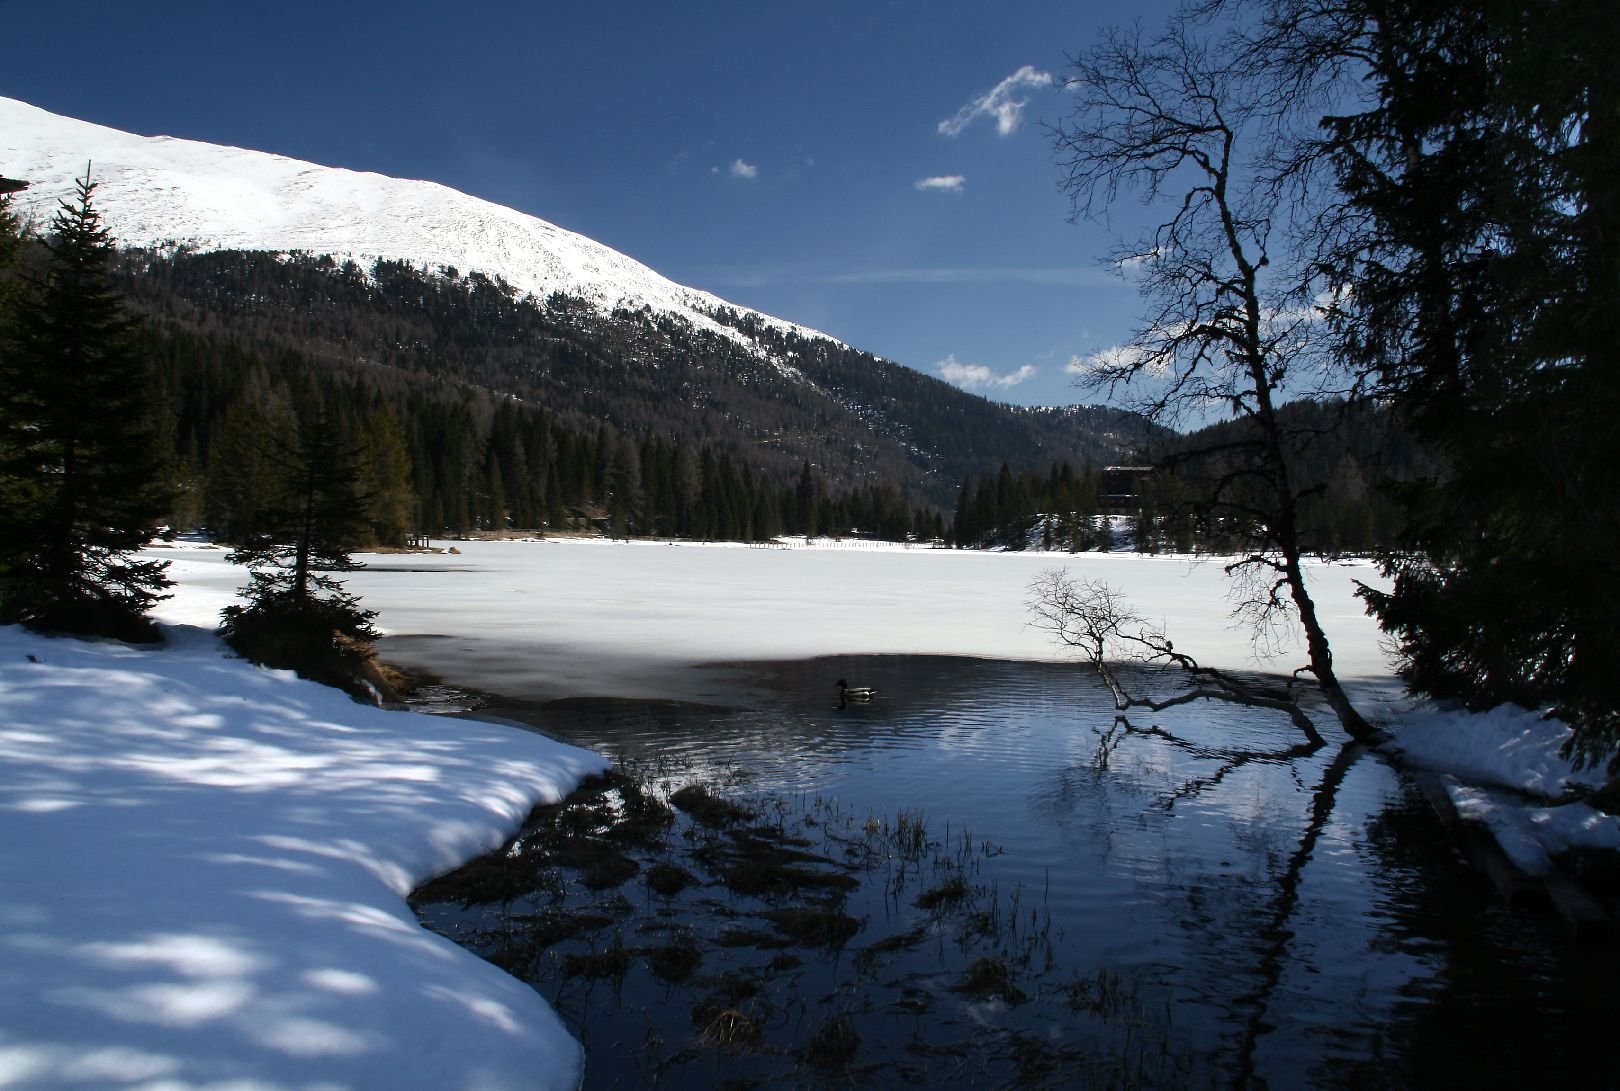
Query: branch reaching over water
(1095, 619)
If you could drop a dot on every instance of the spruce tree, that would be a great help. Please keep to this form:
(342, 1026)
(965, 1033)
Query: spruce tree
(81, 475)
(1480, 274)
(386, 477)
(11, 243)
(298, 615)
(243, 472)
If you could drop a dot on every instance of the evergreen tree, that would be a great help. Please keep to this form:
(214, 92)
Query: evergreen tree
(81, 471)
(242, 472)
(298, 616)
(1477, 244)
(11, 245)
(386, 478)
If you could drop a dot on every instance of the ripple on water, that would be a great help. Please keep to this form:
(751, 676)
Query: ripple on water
(1292, 913)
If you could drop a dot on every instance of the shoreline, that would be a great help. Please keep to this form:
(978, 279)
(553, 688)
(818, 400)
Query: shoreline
(756, 685)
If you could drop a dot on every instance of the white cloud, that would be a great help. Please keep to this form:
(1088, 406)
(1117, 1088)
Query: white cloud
(972, 376)
(950, 183)
(1136, 262)
(1152, 356)
(739, 169)
(999, 102)
(1115, 356)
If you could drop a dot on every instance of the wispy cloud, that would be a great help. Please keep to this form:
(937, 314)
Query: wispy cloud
(949, 183)
(1093, 362)
(973, 376)
(1135, 263)
(739, 169)
(979, 274)
(1059, 275)
(1120, 357)
(1001, 102)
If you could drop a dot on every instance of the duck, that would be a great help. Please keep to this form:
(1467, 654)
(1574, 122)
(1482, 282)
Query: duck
(847, 692)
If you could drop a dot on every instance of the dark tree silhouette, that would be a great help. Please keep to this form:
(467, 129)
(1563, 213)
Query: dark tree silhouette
(82, 476)
(1170, 120)
(297, 614)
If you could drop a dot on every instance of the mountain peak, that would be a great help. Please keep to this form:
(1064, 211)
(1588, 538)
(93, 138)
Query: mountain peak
(169, 193)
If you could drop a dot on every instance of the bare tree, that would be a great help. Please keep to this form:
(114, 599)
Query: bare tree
(1095, 619)
(1169, 120)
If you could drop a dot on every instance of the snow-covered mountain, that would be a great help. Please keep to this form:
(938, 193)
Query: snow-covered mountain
(656, 356)
(167, 193)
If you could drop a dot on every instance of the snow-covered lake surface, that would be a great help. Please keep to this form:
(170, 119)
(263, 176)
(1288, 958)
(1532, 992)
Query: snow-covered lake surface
(204, 865)
(573, 618)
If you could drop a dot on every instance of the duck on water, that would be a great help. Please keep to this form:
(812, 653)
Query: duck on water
(848, 693)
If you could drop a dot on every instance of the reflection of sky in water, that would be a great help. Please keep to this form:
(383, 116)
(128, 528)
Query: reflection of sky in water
(1156, 851)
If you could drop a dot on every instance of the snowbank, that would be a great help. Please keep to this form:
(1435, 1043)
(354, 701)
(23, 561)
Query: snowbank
(1490, 761)
(203, 869)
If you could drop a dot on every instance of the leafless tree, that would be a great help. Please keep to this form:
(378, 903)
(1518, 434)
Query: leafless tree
(1095, 619)
(1169, 120)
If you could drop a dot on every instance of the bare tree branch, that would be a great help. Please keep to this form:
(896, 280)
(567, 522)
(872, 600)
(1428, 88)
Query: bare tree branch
(1096, 620)
(1176, 122)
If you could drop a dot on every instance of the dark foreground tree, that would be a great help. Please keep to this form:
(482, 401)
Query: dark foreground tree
(11, 243)
(81, 476)
(1487, 307)
(1471, 247)
(1170, 120)
(297, 614)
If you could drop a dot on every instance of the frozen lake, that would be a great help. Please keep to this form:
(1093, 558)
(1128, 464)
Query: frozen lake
(571, 618)
(1273, 915)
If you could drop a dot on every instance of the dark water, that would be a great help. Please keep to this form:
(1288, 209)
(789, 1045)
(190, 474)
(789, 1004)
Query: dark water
(1278, 917)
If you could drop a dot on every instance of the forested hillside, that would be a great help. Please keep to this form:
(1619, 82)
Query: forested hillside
(510, 411)
(1346, 464)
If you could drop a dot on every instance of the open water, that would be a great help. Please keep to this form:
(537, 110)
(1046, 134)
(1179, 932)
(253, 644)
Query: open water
(1273, 915)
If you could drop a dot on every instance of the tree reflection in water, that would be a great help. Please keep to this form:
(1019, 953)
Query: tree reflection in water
(1277, 913)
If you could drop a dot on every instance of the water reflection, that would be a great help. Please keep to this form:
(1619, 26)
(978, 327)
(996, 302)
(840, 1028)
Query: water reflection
(1290, 912)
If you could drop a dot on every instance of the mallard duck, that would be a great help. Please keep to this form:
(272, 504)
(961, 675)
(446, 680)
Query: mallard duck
(847, 692)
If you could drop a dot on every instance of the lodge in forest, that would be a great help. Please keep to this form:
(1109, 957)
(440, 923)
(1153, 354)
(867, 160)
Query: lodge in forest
(1120, 486)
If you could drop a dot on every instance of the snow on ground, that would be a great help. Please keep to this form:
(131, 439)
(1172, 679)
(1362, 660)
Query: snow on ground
(203, 870)
(203, 865)
(585, 617)
(1489, 760)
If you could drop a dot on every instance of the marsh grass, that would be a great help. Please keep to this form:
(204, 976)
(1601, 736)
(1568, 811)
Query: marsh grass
(610, 963)
(827, 927)
(989, 977)
(674, 962)
(814, 927)
(834, 1044)
(701, 803)
(667, 880)
(952, 892)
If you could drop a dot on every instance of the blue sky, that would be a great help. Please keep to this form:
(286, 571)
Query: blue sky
(875, 170)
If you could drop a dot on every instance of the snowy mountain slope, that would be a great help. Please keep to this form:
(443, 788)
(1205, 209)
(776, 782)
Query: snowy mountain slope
(169, 193)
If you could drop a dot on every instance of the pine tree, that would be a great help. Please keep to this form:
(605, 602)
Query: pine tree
(81, 474)
(11, 243)
(297, 615)
(242, 473)
(386, 478)
(1482, 181)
